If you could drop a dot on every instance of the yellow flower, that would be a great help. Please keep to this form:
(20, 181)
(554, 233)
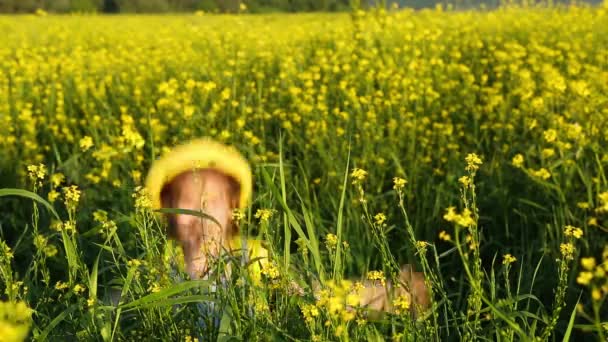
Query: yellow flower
(550, 135)
(72, 196)
(377, 275)
(237, 215)
(588, 263)
(154, 288)
(85, 143)
(37, 172)
(583, 205)
(422, 245)
(271, 271)
(548, 152)
(518, 161)
(541, 173)
(91, 302)
(399, 183)
(310, 312)
(52, 196)
(142, 200)
(508, 259)
(100, 216)
(567, 250)
(575, 232)
(603, 199)
(78, 289)
(134, 263)
(465, 219)
(264, 214)
(57, 179)
(450, 214)
(584, 278)
(61, 285)
(473, 162)
(15, 321)
(401, 304)
(358, 175)
(50, 251)
(380, 218)
(444, 236)
(331, 241)
(68, 226)
(465, 181)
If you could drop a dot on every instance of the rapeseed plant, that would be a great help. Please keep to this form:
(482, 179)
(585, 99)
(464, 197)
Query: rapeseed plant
(88, 102)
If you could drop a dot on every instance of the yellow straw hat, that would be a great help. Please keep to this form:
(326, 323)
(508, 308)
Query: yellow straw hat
(199, 154)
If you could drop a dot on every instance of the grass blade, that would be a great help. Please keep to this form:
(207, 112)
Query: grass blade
(30, 195)
(571, 322)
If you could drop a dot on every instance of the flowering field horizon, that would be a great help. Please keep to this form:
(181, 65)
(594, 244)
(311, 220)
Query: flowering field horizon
(471, 144)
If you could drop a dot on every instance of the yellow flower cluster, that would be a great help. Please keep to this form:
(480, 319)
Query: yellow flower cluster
(379, 219)
(399, 183)
(270, 271)
(473, 162)
(338, 300)
(310, 312)
(401, 304)
(358, 175)
(36, 172)
(508, 259)
(264, 215)
(377, 276)
(465, 219)
(72, 196)
(331, 241)
(142, 200)
(15, 321)
(595, 276)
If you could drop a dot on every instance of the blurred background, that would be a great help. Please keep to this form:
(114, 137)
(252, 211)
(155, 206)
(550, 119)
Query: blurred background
(228, 6)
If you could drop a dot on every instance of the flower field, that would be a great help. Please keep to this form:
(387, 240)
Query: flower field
(472, 144)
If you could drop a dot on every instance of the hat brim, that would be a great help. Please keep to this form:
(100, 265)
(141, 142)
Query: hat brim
(203, 153)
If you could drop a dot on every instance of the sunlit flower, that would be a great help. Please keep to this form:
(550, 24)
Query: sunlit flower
(331, 241)
(264, 215)
(85, 143)
(518, 160)
(377, 275)
(399, 183)
(379, 219)
(508, 259)
(567, 250)
(473, 162)
(358, 175)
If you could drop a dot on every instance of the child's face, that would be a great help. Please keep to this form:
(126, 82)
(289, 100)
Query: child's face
(213, 193)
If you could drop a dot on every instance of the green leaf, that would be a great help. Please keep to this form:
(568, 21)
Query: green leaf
(30, 195)
(571, 322)
(197, 213)
(164, 294)
(47, 330)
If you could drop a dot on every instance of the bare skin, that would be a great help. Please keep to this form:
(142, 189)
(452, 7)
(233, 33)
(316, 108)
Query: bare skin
(411, 284)
(216, 194)
(375, 296)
